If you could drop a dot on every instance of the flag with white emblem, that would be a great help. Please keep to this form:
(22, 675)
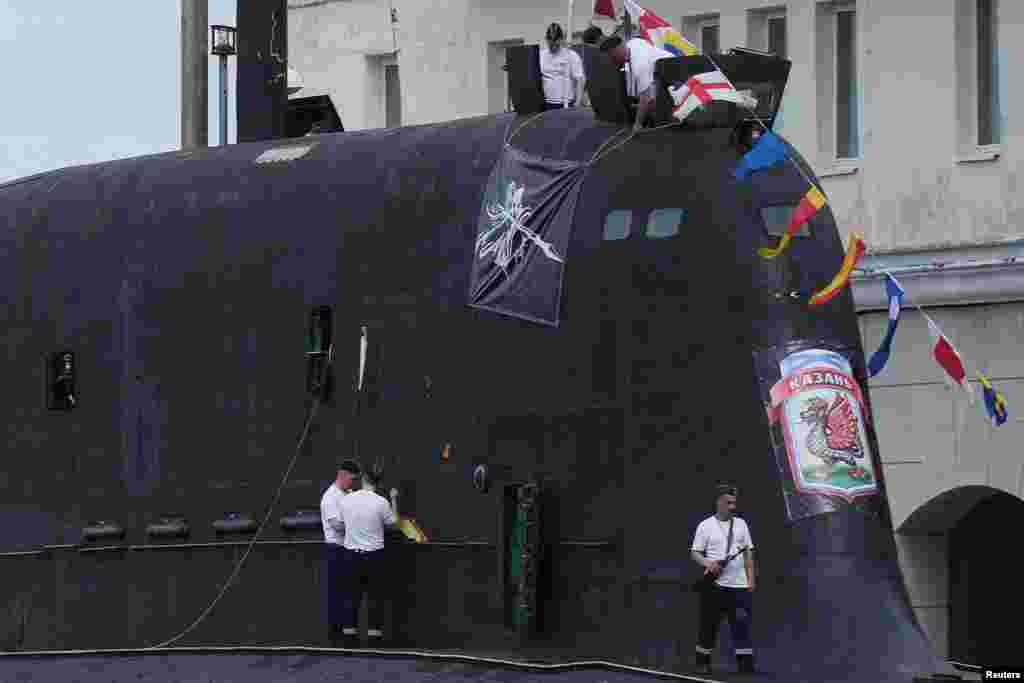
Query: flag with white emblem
(523, 236)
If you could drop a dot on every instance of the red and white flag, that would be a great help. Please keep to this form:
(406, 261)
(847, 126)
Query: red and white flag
(947, 357)
(702, 89)
(604, 8)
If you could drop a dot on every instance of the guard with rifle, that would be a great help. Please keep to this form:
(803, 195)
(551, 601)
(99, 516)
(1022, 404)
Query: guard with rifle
(727, 584)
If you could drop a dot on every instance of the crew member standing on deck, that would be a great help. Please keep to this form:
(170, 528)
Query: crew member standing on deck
(334, 536)
(718, 538)
(561, 71)
(365, 514)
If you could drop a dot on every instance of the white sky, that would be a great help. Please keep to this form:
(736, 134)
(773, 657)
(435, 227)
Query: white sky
(95, 80)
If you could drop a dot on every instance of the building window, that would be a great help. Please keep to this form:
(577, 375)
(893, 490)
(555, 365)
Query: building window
(988, 90)
(847, 100)
(980, 78)
(498, 91)
(665, 222)
(702, 30)
(777, 35)
(617, 225)
(392, 97)
(766, 30)
(838, 86)
(709, 39)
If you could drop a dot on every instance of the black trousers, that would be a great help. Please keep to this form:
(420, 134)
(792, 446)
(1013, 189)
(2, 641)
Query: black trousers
(337, 577)
(366, 577)
(737, 605)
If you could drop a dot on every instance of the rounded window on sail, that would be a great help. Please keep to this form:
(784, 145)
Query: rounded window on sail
(617, 225)
(665, 222)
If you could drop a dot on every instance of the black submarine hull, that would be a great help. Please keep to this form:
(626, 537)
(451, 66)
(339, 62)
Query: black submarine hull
(183, 282)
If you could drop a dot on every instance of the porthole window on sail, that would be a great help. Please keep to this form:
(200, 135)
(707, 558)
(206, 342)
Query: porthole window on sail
(665, 222)
(776, 220)
(617, 225)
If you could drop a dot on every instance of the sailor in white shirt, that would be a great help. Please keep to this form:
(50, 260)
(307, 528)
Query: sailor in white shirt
(334, 535)
(640, 58)
(721, 537)
(561, 70)
(365, 514)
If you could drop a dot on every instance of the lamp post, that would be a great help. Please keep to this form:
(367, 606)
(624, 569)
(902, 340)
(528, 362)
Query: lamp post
(222, 44)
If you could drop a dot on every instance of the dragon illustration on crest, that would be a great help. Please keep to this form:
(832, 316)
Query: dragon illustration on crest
(833, 436)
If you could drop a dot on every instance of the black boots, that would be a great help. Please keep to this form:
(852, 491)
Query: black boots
(703, 663)
(745, 663)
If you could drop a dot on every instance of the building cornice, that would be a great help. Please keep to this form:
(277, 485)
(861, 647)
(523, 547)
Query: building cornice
(967, 274)
(303, 4)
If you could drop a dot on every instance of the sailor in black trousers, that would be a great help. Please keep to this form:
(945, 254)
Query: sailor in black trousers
(718, 538)
(334, 536)
(365, 514)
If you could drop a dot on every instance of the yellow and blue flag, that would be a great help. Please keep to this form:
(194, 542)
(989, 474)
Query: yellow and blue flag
(659, 32)
(995, 403)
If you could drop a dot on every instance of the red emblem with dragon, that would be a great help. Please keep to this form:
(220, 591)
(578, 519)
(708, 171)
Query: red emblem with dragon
(821, 410)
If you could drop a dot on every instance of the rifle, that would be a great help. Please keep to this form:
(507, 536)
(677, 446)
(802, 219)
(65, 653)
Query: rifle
(707, 580)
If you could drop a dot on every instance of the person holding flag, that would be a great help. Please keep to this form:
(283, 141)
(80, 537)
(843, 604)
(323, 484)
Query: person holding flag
(364, 515)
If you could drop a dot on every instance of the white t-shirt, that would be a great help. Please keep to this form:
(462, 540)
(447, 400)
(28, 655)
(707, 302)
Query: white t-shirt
(330, 509)
(642, 56)
(710, 540)
(560, 72)
(365, 514)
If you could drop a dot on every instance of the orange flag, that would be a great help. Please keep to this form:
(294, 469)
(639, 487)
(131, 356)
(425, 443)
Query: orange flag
(854, 252)
(809, 205)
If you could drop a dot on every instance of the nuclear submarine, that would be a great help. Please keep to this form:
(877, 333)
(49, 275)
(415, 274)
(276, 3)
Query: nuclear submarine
(167, 316)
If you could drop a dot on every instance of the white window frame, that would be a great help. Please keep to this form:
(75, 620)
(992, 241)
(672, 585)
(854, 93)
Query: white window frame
(708, 22)
(757, 26)
(376, 93)
(968, 126)
(834, 12)
(500, 48)
(385, 62)
(768, 15)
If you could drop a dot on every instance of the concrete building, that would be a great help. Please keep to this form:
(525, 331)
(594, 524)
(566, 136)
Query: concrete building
(904, 109)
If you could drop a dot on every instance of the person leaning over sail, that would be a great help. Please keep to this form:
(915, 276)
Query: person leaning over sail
(334, 536)
(639, 57)
(719, 538)
(365, 514)
(561, 71)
